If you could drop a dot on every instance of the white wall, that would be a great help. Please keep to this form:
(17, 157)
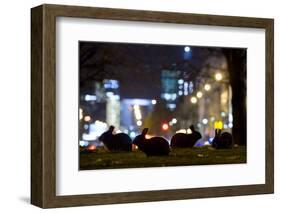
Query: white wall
(15, 104)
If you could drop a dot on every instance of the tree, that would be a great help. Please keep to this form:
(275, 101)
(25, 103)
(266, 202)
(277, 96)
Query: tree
(236, 60)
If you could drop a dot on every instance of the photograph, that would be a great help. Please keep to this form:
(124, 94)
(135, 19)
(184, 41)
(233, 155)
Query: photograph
(157, 105)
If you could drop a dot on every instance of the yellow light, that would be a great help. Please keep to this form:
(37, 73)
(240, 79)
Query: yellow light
(199, 94)
(137, 112)
(136, 107)
(207, 87)
(218, 76)
(87, 118)
(193, 100)
(218, 125)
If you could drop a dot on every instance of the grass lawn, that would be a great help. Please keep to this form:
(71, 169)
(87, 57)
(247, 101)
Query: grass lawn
(101, 159)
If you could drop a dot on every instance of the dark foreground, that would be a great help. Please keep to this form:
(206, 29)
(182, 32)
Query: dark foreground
(101, 159)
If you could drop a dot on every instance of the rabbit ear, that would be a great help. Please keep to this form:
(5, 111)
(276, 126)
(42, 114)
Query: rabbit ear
(144, 131)
(111, 128)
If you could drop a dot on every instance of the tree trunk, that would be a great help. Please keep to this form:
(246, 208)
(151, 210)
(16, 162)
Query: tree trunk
(236, 60)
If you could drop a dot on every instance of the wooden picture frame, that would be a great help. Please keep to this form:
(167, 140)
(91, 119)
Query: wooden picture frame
(43, 105)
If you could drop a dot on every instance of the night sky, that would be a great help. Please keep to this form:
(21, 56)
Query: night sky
(137, 66)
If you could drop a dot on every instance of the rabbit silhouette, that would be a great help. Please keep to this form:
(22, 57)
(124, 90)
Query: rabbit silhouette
(222, 140)
(116, 142)
(183, 140)
(155, 146)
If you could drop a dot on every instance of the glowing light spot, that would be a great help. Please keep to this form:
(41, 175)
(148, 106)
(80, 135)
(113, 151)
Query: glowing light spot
(207, 87)
(218, 76)
(87, 118)
(193, 100)
(187, 49)
(92, 147)
(218, 125)
(230, 125)
(147, 136)
(206, 143)
(118, 131)
(189, 131)
(223, 114)
(181, 131)
(199, 94)
(165, 126)
(82, 143)
(180, 81)
(153, 101)
(132, 134)
(80, 114)
(174, 120)
(230, 118)
(139, 123)
(205, 121)
(137, 112)
(90, 98)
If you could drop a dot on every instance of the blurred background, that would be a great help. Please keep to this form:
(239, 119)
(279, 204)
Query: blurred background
(166, 88)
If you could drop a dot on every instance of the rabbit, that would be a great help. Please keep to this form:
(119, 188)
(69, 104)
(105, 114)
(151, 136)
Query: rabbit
(182, 140)
(226, 140)
(222, 140)
(117, 142)
(156, 146)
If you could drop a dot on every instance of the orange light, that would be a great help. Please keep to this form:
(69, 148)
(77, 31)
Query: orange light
(165, 126)
(147, 136)
(92, 147)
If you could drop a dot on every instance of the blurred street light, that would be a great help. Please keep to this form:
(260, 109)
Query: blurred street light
(186, 49)
(207, 87)
(189, 131)
(199, 94)
(205, 121)
(139, 123)
(218, 76)
(165, 126)
(193, 100)
(80, 114)
(87, 118)
(218, 125)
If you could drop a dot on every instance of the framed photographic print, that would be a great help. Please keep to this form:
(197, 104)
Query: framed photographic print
(137, 106)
